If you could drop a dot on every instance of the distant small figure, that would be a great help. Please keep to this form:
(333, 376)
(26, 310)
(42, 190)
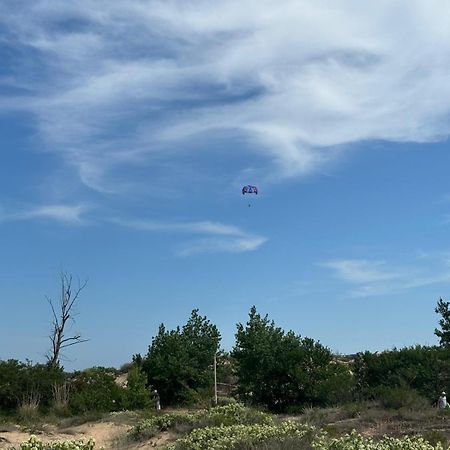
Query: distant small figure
(442, 401)
(157, 400)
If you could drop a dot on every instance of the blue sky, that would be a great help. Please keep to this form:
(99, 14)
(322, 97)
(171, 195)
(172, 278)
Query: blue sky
(128, 129)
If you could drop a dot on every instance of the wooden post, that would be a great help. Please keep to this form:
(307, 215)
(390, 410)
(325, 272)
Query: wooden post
(215, 379)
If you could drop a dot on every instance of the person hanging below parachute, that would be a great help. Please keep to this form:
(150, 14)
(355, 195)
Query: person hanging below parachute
(249, 189)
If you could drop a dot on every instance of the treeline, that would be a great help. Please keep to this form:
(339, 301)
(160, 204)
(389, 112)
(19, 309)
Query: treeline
(28, 389)
(268, 366)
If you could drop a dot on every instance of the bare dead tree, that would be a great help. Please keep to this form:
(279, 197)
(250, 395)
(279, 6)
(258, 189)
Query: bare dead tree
(63, 312)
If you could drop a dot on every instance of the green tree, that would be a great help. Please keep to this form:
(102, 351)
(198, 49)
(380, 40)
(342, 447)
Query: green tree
(278, 369)
(443, 308)
(179, 362)
(137, 394)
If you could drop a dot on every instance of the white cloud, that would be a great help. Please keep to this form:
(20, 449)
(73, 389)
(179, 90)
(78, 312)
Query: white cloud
(111, 83)
(229, 245)
(221, 238)
(360, 271)
(373, 278)
(61, 213)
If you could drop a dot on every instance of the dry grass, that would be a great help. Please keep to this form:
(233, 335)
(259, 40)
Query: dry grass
(373, 420)
(29, 408)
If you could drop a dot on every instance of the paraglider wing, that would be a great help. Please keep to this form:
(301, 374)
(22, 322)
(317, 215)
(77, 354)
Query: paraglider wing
(249, 189)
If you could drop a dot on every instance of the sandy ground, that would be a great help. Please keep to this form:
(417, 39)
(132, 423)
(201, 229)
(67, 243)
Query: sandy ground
(106, 434)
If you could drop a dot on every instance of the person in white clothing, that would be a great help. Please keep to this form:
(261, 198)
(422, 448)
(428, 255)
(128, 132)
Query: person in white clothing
(157, 400)
(442, 401)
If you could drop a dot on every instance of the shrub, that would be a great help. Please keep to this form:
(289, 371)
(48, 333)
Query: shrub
(401, 397)
(148, 428)
(424, 369)
(224, 401)
(18, 380)
(435, 437)
(95, 389)
(224, 438)
(357, 441)
(233, 414)
(61, 397)
(337, 386)
(29, 408)
(136, 393)
(35, 444)
(285, 443)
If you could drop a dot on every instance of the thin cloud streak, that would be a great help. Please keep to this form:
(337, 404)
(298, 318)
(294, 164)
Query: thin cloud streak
(213, 245)
(361, 271)
(375, 278)
(60, 213)
(221, 238)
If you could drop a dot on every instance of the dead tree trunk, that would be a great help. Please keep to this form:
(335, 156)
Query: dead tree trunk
(62, 313)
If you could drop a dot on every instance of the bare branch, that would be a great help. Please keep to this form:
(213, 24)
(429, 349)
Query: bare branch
(73, 343)
(55, 317)
(61, 315)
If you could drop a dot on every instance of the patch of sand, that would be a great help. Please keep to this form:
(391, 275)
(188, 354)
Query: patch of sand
(104, 433)
(110, 436)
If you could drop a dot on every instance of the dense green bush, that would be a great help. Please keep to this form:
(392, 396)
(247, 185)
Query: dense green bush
(137, 395)
(401, 397)
(95, 389)
(424, 369)
(338, 385)
(20, 382)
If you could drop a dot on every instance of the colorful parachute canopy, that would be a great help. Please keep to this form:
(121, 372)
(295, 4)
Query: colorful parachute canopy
(249, 189)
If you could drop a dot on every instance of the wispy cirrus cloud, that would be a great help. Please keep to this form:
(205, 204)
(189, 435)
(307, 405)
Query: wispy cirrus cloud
(372, 278)
(111, 85)
(72, 214)
(361, 271)
(216, 237)
(245, 243)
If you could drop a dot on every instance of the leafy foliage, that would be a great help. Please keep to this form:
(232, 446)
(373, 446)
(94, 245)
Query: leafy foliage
(356, 441)
(443, 308)
(224, 438)
(35, 444)
(228, 415)
(279, 369)
(401, 397)
(179, 362)
(18, 381)
(95, 389)
(424, 369)
(281, 436)
(137, 395)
